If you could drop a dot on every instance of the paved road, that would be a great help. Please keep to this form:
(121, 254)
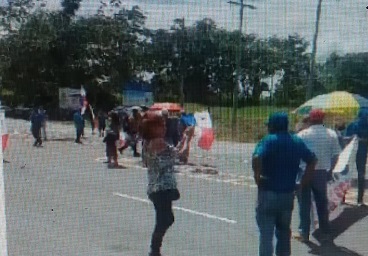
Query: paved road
(62, 200)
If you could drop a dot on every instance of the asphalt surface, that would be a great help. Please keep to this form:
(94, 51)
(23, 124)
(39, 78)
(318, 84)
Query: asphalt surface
(61, 199)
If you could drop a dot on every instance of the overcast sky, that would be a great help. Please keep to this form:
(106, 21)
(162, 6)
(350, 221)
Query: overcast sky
(343, 25)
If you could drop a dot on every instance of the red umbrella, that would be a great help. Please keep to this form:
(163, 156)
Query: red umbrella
(170, 106)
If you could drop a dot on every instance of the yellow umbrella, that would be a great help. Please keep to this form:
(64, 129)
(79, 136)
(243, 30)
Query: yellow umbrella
(339, 106)
(338, 103)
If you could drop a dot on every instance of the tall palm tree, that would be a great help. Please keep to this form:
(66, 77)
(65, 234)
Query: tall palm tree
(311, 78)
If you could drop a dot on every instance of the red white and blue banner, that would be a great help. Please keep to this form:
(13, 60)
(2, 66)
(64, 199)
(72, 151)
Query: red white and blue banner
(204, 130)
(341, 182)
(338, 187)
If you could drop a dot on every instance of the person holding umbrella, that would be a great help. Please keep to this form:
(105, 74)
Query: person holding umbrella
(360, 128)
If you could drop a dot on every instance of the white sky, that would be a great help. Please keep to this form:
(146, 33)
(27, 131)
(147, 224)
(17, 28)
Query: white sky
(343, 25)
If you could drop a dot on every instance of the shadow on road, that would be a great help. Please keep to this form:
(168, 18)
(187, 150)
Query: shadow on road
(349, 216)
(330, 249)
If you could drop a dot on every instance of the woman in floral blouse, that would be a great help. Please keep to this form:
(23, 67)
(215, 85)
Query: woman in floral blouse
(159, 158)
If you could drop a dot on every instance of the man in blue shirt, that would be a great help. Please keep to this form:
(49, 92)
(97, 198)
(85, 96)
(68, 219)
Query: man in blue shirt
(36, 123)
(79, 125)
(275, 163)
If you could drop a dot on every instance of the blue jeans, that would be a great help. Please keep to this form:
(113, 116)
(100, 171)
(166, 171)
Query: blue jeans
(79, 132)
(273, 214)
(318, 186)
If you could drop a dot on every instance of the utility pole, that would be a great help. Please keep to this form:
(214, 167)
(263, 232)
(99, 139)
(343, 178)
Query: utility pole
(312, 72)
(182, 64)
(238, 59)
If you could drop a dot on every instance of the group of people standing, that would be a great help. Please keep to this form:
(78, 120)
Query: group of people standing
(179, 132)
(286, 164)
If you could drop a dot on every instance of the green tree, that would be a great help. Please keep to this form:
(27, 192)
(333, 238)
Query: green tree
(16, 13)
(294, 61)
(30, 65)
(346, 73)
(50, 51)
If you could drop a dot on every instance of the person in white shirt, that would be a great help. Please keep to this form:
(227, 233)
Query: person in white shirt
(324, 143)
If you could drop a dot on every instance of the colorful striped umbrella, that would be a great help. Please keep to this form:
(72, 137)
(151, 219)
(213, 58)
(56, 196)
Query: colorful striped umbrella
(335, 103)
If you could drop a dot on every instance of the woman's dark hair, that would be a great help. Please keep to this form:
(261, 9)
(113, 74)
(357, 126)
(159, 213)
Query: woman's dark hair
(114, 118)
(150, 123)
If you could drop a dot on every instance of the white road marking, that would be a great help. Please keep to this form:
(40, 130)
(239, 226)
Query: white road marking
(206, 215)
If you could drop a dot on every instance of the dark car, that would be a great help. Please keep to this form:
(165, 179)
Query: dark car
(22, 112)
(7, 109)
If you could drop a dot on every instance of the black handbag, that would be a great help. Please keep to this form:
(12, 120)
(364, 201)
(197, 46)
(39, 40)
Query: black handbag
(173, 194)
(170, 194)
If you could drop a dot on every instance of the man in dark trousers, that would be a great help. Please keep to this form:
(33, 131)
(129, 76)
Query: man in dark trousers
(134, 126)
(36, 125)
(275, 163)
(79, 125)
(325, 144)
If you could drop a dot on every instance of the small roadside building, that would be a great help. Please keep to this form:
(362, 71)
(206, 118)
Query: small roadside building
(137, 93)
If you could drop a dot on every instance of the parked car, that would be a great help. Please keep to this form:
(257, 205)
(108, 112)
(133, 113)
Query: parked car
(5, 108)
(22, 112)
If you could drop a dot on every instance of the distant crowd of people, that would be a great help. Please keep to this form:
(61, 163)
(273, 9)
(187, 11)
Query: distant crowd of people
(123, 129)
